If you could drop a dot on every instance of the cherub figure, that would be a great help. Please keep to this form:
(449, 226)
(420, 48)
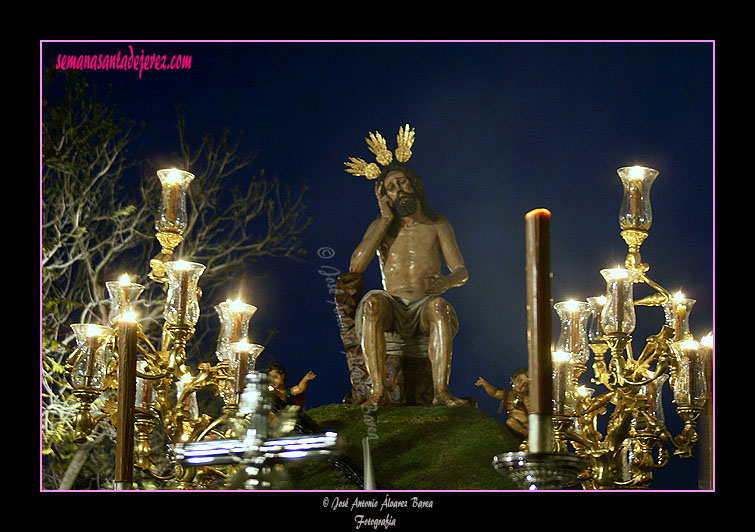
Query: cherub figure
(514, 401)
(285, 395)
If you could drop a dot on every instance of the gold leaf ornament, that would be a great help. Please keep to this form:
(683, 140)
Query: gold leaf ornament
(377, 145)
(360, 167)
(405, 139)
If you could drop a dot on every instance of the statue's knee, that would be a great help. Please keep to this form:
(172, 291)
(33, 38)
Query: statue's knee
(438, 312)
(440, 308)
(373, 307)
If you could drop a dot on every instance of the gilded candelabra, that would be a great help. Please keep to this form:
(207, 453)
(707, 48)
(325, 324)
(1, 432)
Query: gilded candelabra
(636, 440)
(154, 385)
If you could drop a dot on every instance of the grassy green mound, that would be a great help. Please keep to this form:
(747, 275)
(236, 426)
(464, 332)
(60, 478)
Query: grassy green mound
(413, 448)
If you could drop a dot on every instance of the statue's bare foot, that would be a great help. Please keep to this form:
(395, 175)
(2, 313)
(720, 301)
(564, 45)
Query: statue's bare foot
(447, 399)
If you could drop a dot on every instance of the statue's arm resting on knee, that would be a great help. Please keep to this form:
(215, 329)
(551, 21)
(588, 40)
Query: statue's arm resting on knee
(454, 260)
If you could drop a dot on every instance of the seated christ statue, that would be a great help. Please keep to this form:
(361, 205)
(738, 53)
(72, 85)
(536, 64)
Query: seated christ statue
(412, 242)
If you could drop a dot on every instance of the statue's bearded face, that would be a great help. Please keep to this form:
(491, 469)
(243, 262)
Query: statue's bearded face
(406, 204)
(400, 191)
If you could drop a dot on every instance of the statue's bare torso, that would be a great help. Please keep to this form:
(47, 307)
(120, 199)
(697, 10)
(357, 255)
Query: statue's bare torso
(410, 257)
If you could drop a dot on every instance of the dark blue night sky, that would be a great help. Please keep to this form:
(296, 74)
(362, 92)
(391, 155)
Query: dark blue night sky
(501, 128)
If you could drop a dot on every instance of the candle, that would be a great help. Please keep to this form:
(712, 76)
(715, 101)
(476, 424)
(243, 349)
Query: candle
(616, 278)
(240, 354)
(123, 283)
(561, 374)
(93, 342)
(183, 290)
(124, 447)
(635, 200)
(144, 389)
(619, 306)
(635, 194)
(236, 308)
(696, 387)
(171, 192)
(242, 370)
(572, 307)
(706, 354)
(681, 310)
(599, 302)
(539, 329)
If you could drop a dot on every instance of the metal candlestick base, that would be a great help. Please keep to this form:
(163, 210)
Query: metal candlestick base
(540, 471)
(254, 449)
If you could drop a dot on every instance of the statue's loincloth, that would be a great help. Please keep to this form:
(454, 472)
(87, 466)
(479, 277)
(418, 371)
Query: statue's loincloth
(405, 337)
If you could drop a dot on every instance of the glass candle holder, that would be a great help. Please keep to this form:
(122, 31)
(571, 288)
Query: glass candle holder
(564, 394)
(627, 459)
(594, 328)
(252, 351)
(123, 296)
(171, 215)
(618, 313)
(90, 367)
(691, 383)
(654, 392)
(182, 308)
(234, 325)
(242, 358)
(635, 212)
(573, 337)
(677, 310)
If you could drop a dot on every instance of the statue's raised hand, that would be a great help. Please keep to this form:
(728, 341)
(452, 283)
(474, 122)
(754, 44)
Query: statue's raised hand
(385, 203)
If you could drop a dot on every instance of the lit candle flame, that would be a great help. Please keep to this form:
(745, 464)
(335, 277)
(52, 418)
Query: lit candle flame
(690, 344)
(571, 305)
(93, 330)
(678, 297)
(182, 265)
(128, 317)
(707, 340)
(619, 273)
(561, 356)
(242, 346)
(636, 172)
(173, 176)
(124, 280)
(236, 306)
